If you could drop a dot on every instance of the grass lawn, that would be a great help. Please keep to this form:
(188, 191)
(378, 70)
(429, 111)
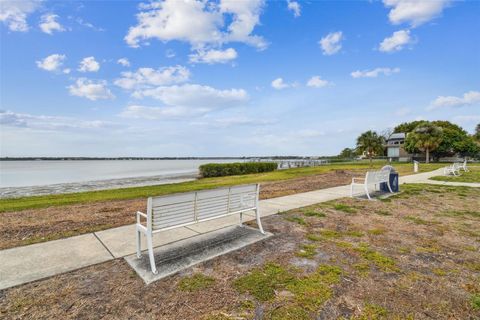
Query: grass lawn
(472, 176)
(345, 259)
(36, 202)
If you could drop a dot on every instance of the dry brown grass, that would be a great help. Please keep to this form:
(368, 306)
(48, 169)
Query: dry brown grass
(408, 270)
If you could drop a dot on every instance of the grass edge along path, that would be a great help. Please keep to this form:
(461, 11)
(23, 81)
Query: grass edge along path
(36, 202)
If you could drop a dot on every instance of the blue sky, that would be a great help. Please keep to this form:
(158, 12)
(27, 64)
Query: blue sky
(230, 78)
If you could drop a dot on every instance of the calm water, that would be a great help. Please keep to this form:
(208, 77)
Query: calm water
(35, 173)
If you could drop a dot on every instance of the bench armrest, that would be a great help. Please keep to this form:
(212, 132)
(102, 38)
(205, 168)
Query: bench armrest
(139, 213)
(356, 179)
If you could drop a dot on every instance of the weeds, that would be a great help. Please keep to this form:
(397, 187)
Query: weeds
(196, 282)
(262, 282)
(298, 220)
(307, 251)
(289, 312)
(377, 232)
(344, 208)
(314, 213)
(475, 301)
(382, 262)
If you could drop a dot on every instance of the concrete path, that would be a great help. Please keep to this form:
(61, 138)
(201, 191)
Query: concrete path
(29, 263)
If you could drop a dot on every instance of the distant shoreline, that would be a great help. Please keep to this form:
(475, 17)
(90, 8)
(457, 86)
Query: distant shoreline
(115, 158)
(150, 158)
(95, 185)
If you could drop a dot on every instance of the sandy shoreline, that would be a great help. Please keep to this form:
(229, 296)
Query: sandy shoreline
(15, 192)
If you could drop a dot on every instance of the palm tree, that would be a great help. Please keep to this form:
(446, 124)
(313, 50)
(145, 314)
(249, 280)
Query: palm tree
(370, 144)
(426, 137)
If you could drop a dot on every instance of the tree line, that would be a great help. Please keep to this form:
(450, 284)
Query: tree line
(436, 139)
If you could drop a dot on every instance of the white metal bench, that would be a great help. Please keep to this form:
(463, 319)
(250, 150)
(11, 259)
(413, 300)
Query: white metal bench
(452, 169)
(183, 209)
(372, 178)
(463, 166)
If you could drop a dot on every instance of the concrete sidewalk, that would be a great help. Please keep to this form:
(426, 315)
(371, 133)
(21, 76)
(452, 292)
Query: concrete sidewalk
(29, 263)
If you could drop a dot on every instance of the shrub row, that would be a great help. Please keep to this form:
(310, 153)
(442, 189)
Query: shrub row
(231, 169)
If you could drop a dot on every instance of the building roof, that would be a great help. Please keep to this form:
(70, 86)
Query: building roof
(400, 135)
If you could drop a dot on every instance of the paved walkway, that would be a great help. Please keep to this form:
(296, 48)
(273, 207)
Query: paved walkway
(29, 263)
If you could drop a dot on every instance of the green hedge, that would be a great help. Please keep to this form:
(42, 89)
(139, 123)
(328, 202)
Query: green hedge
(232, 169)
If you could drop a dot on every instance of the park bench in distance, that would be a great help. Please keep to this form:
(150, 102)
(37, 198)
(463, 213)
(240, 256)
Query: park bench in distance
(455, 168)
(372, 178)
(183, 209)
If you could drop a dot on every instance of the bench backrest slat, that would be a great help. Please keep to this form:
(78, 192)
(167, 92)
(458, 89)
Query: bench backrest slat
(188, 208)
(374, 177)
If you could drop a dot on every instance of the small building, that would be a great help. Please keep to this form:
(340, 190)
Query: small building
(395, 147)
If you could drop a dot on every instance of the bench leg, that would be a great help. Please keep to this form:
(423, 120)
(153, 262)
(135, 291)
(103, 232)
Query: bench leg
(366, 191)
(259, 223)
(150, 253)
(389, 186)
(351, 190)
(138, 240)
(241, 218)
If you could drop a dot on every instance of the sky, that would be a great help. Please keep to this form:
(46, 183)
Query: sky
(229, 77)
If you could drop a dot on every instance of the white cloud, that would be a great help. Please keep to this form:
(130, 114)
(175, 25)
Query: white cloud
(92, 90)
(176, 20)
(396, 42)
(169, 53)
(414, 12)
(146, 77)
(317, 82)
(468, 98)
(14, 13)
(52, 63)
(294, 6)
(24, 120)
(155, 113)
(195, 96)
(245, 16)
(309, 133)
(374, 73)
(467, 118)
(199, 23)
(124, 62)
(86, 24)
(89, 64)
(48, 24)
(237, 120)
(213, 56)
(279, 84)
(331, 43)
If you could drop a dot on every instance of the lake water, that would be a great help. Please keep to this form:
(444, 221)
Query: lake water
(39, 173)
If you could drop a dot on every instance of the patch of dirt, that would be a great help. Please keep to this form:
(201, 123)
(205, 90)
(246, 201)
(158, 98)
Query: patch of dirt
(428, 236)
(38, 225)
(314, 182)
